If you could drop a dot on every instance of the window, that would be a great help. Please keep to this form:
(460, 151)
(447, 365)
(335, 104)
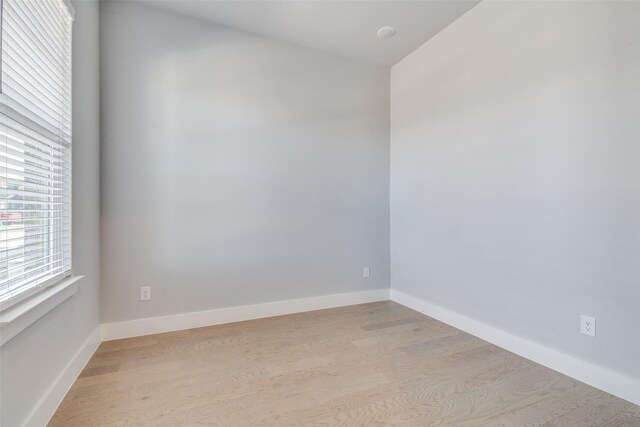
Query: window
(35, 147)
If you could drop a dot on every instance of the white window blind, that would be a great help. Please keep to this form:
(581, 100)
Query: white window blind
(35, 146)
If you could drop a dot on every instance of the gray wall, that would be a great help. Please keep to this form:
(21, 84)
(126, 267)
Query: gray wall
(235, 169)
(30, 362)
(515, 173)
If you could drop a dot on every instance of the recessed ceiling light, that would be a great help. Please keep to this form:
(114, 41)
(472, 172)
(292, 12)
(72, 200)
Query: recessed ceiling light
(386, 32)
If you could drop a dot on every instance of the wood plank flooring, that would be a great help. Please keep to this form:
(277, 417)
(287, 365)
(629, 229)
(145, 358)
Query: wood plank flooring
(366, 365)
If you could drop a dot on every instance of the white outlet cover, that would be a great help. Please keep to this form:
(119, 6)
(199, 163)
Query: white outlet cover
(145, 293)
(588, 325)
(365, 272)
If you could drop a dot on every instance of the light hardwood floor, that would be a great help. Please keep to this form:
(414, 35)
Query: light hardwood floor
(365, 365)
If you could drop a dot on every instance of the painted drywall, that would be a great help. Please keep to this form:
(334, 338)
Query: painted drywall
(515, 178)
(31, 362)
(345, 28)
(236, 169)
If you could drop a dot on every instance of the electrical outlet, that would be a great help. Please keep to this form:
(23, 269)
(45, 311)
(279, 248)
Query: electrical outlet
(365, 272)
(588, 325)
(145, 293)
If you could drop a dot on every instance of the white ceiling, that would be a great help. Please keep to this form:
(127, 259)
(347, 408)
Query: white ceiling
(346, 28)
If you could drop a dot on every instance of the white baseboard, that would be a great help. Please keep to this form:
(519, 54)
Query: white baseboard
(177, 322)
(47, 405)
(613, 382)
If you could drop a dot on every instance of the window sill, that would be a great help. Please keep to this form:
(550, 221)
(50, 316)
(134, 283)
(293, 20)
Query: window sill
(17, 318)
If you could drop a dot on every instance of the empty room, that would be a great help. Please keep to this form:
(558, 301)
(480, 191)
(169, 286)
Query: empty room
(319, 213)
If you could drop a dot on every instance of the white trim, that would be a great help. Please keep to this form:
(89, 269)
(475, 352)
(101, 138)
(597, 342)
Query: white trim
(177, 322)
(16, 318)
(613, 382)
(8, 300)
(48, 404)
